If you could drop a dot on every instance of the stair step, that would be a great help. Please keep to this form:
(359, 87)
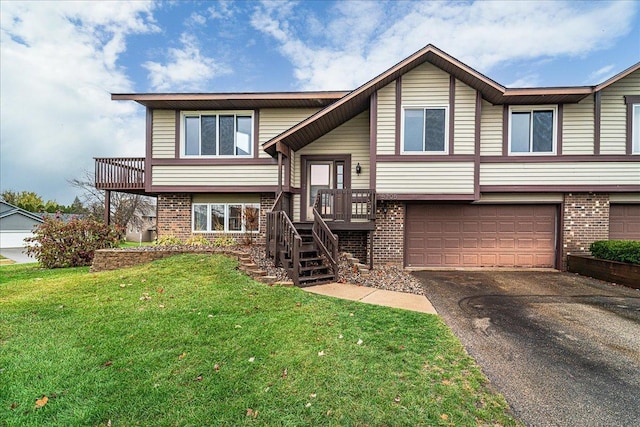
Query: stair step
(313, 268)
(316, 280)
(311, 259)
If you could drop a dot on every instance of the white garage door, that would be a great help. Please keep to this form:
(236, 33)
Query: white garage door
(13, 239)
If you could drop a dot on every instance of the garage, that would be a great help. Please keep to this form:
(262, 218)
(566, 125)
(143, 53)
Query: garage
(624, 222)
(461, 235)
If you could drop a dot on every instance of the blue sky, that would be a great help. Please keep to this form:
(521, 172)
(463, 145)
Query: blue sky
(61, 60)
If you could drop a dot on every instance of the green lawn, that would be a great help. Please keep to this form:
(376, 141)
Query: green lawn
(190, 340)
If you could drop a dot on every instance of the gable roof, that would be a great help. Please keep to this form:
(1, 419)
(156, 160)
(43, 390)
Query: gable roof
(357, 101)
(7, 209)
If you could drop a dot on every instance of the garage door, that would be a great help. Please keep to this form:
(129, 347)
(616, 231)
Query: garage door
(624, 222)
(480, 235)
(13, 239)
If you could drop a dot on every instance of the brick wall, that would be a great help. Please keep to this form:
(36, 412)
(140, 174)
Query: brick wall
(388, 240)
(354, 242)
(174, 215)
(586, 219)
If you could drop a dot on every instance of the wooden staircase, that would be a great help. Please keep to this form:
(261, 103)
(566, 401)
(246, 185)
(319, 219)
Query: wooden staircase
(313, 268)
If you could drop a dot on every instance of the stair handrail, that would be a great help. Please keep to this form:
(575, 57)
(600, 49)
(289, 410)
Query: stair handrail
(324, 238)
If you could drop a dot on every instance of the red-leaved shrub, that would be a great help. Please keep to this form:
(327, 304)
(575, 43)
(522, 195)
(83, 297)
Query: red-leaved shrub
(57, 244)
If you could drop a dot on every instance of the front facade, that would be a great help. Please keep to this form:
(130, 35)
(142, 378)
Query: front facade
(16, 224)
(430, 164)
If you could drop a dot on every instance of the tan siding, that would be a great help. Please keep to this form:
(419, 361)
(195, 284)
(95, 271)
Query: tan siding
(614, 112)
(624, 198)
(226, 198)
(491, 130)
(164, 134)
(425, 85)
(296, 207)
(349, 138)
(425, 177)
(464, 127)
(577, 127)
(274, 121)
(231, 175)
(386, 132)
(560, 173)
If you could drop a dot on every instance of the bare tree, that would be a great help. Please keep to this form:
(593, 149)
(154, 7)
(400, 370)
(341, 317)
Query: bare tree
(127, 210)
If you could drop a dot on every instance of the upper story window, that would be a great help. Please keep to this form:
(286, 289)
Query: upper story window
(425, 130)
(635, 129)
(532, 130)
(214, 134)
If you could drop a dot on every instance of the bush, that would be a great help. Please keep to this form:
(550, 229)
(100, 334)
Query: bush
(57, 244)
(224, 241)
(197, 241)
(617, 250)
(168, 241)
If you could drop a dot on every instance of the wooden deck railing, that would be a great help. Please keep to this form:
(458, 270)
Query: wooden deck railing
(119, 173)
(324, 238)
(283, 243)
(347, 204)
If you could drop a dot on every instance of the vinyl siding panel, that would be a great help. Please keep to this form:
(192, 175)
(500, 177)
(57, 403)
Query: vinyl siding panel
(614, 112)
(491, 130)
(560, 173)
(386, 131)
(425, 177)
(425, 85)
(577, 127)
(226, 198)
(274, 121)
(231, 175)
(349, 138)
(163, 134)
(464, 126)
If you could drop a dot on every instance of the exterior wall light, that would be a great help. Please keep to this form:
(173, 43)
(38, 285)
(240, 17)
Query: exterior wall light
(358, 168)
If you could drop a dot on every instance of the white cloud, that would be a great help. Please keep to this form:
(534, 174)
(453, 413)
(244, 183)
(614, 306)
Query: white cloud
(530, 80)
(59, 65)
(187, 68)
(363, 39)
(601, 74)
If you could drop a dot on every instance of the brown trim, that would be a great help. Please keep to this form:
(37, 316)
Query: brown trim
(405, 235)
(505, 130)
(452, 111)
(256, 131)
(215, 189)
(423, 197)
(558, 188)
(346, 158)
(632, 99)
(597, 117)
(287, 174)
(559, 119)
(279, 172)
(280, 147)
(565, 158)
(216, 162)
(618, 76)
(177, 136)
(373, 138)
(476, 146)
(629, 129)
(398, 112)
(148, 162)
(413, 158)
(559, 234)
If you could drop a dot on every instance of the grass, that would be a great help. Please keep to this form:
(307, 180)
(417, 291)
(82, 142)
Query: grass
(189, 340)
(6, 261)
(134, 244)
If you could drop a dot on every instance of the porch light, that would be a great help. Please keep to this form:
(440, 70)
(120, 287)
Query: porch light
(358, 168)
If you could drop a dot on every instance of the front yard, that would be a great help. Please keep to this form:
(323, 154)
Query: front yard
(189, 340)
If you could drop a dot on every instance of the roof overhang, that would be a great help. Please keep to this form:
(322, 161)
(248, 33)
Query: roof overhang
(212, 101)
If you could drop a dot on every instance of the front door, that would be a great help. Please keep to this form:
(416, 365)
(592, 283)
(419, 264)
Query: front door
(323, 175)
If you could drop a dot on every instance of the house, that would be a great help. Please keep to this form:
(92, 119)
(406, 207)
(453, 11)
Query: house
(16, 224)
(143, 229)
(429, 164)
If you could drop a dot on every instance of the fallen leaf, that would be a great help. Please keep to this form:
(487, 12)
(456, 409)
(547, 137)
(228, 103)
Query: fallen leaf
(216, 367)
(14, 405)
(446, 382)
(122, 285)
(238, 326)
(182, 356)
(198, 378)
(312, 395)
(160, 290)
(41, 402)
(397, 399)
(252, 359)
(108, 363)
(340, 337)
(444, 416)
(210, 316)
(109, 423)
(321, 353)
(284, 373)
(359, 342)
(143, 280)
(252, 413)
(298, 304)
(161, 306)
(350, 314)
(307, 405)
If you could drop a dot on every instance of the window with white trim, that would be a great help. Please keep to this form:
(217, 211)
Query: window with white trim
(217, 134)
(635, 129)
(225, 217)
(532, 130)
(425, 130)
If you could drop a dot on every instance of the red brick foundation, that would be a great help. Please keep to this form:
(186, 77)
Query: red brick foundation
(388, 240)
(585, 220)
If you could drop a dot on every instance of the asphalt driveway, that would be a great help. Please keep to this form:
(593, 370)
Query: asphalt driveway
(563, 349)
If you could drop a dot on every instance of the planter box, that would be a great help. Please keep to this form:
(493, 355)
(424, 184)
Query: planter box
(610, 271)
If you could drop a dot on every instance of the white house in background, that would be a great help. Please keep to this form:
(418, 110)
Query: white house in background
(16, 224)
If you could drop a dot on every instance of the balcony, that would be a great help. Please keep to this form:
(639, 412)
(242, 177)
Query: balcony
(125, 174)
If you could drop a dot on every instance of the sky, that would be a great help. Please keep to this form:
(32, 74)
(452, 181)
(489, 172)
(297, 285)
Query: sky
(60, 61)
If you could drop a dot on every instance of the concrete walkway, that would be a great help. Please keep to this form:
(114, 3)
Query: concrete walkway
(17, 255)
(393, 299)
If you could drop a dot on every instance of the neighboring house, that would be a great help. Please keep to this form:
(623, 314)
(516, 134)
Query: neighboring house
(16, 224)
(145, 228)
(429, 164)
